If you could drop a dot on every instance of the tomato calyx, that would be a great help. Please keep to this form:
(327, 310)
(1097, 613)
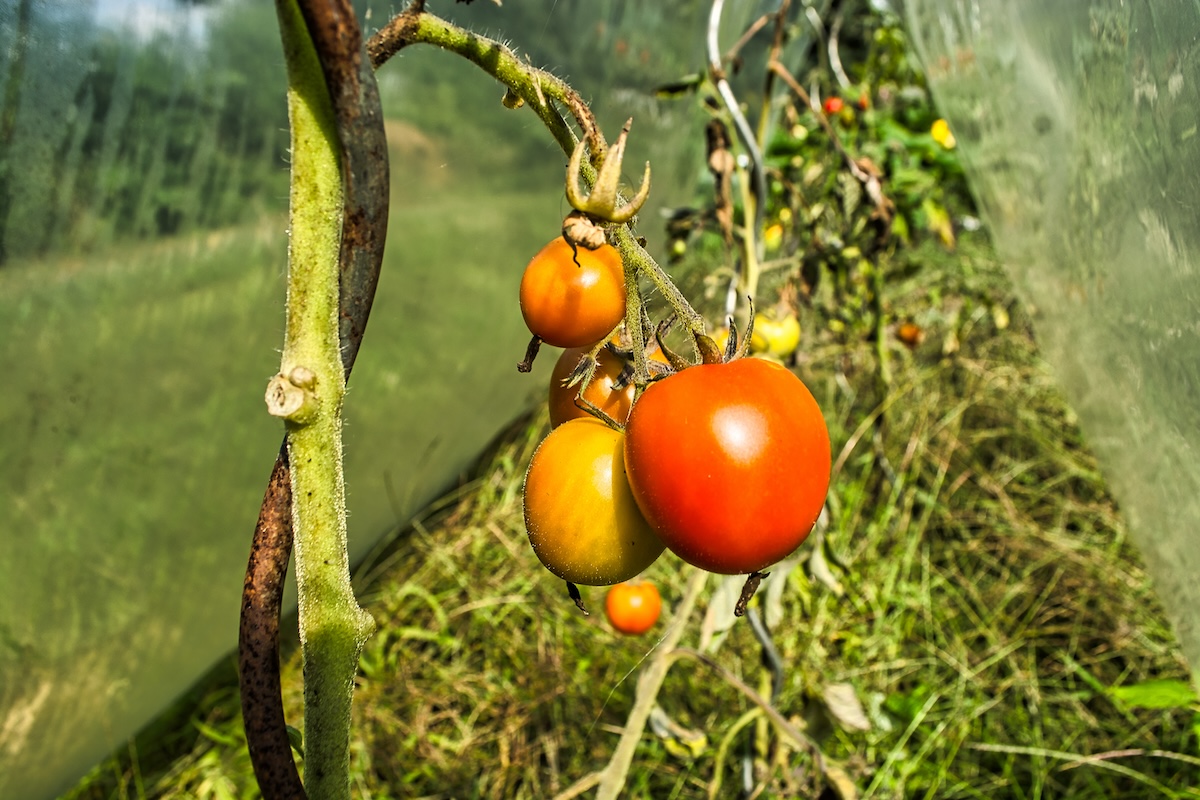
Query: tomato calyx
(710, 352)
(604, 201)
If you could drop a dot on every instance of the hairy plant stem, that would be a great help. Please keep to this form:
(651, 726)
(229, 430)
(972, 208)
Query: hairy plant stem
(333, 627)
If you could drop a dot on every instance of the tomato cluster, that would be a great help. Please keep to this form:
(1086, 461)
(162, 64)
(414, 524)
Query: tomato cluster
(726, 463)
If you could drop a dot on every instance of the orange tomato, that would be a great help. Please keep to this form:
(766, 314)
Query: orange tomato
(910, 333)
(602, 392)
(633, 608)
(573, 299)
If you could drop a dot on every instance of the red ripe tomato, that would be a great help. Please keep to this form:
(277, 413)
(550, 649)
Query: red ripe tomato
(580, 515)
(633, 608)
(569, 304)
(729, 463)
(834, 105)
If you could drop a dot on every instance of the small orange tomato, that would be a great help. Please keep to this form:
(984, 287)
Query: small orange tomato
(910, 333)
(611, 389)
(573, 299)
(633, 608)
(602, 392)
(834, 105)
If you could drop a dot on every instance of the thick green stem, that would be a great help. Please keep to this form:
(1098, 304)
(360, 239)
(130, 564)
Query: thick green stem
(333, 627)
(535, 87)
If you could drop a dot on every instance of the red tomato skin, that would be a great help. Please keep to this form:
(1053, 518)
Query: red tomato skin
(569, 304)
(834, 105)
(729, 463)
(633, 608)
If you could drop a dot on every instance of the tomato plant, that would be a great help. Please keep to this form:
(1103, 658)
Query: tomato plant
(633, 608)
(573, 298)
(729, 463)
(580, 514)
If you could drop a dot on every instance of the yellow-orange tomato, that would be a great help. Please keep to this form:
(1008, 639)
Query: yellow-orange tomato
(781, 333)
(633, 608)
(580, 514)
(573, 299)
(601, 392)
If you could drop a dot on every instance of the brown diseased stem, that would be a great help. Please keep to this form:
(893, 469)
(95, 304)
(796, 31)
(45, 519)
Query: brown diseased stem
(258, 641)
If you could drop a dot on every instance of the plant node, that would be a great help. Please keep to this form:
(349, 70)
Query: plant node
(291, 397)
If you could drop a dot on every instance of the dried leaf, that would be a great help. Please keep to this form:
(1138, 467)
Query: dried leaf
(851, 193)
(773, 596)
(818, 566)
(843, 705)
(840, 781)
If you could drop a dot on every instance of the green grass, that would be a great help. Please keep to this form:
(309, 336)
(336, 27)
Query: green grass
(989, 600)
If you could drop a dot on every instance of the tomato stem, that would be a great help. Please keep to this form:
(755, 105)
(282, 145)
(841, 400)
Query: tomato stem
(531, 351)
(577, 598)
(333, 627)
(748, 590)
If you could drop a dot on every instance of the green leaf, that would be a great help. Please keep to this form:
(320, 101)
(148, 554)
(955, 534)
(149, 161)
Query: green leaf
(1155, 694)
(296, 739)
(905, 706)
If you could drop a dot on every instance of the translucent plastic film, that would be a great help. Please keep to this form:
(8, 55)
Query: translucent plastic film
(142, 256)
(1078, 124)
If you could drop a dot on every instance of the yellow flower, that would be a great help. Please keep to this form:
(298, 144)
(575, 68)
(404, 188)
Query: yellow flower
(941, 134)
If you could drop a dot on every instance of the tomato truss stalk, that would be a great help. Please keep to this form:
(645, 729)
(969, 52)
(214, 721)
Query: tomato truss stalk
(333, 628)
